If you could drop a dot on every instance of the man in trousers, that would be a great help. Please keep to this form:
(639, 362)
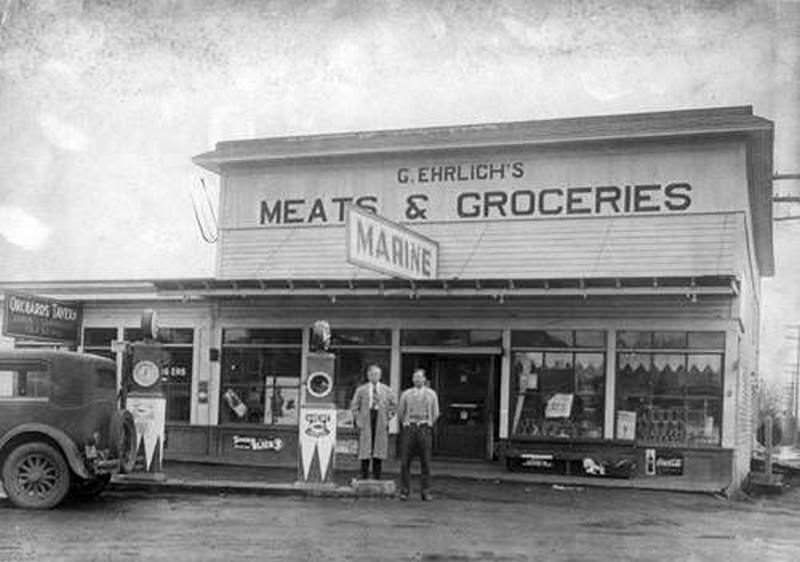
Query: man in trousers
(418, 411)
(373, 405)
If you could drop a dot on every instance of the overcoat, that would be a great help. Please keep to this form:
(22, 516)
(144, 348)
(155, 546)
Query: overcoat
(387, 406)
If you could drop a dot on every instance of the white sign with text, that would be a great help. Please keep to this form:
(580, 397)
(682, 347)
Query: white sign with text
(376, 243)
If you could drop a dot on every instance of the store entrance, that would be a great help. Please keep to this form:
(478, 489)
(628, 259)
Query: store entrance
(465, 385)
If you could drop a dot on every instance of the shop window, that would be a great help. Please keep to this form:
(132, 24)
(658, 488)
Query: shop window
(559, 388)
(355, 350)
(669, 387)
(176, 377)
(451, 338)
(24, 382)
(260, 376)
(98, 341)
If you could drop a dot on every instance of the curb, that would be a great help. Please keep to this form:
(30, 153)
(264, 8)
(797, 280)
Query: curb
(230, 487)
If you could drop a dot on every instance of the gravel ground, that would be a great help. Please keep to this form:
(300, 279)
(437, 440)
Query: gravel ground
(466, 521)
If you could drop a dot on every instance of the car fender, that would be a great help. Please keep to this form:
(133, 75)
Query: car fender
(67, 445)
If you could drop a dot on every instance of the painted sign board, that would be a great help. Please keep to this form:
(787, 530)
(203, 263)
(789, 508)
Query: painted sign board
(39, 318)
(376, 243)
(488, 185)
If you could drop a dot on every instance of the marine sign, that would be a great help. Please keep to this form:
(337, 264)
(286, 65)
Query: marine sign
(376, 243)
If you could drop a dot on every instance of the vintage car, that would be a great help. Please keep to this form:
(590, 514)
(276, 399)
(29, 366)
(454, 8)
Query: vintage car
(61, 430)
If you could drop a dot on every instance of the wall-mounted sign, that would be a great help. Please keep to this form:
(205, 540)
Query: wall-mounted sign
(521, 184)
(540, 461)
(40, 318)
(376, 243)
(669, 463)
(247, 443)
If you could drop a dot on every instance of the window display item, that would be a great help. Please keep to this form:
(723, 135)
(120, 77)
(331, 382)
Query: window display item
(650, 462)
(559, 406)
(626, 425)
(235, 403)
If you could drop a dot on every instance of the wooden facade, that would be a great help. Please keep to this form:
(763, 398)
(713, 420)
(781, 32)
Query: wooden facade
(663, 225)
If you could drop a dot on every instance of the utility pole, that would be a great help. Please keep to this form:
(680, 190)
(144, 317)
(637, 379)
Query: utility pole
(794, 403)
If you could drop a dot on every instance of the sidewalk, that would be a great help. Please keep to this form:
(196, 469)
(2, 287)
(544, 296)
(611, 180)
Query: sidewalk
(224, 478)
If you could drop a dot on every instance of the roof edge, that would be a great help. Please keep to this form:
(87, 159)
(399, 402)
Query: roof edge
(586, 129)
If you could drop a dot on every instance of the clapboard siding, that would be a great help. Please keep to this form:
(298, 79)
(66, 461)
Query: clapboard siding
(660, 246)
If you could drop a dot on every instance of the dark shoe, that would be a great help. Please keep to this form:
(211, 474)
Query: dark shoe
(426, 496)
(403, 496)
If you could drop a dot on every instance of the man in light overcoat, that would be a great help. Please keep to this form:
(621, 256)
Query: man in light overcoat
(373, 405)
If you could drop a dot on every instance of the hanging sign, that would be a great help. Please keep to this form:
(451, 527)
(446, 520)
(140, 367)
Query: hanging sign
(317, 443)
(149, 415)
(39, 318)
(376, 243)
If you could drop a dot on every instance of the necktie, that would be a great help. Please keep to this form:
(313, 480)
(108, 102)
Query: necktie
(374, 399)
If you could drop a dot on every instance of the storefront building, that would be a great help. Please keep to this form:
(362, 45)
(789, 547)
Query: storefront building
(591, 306)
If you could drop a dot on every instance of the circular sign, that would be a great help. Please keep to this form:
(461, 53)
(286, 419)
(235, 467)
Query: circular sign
(145, 373)
(319, 384)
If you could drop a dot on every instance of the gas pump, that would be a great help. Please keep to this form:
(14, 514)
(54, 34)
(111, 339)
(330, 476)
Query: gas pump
(317, 419)
(145, 398)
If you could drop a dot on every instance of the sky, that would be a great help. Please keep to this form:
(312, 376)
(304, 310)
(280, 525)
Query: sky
(104, 102)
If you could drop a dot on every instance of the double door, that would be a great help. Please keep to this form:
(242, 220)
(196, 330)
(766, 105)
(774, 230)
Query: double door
(465, 385)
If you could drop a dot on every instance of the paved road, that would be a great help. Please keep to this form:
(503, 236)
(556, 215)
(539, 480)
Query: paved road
(467, 521)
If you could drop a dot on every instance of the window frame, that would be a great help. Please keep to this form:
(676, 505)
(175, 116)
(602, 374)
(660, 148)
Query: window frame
(293, 346)
(27, 366)
(687, 351)
(574, 350)
(102, 351)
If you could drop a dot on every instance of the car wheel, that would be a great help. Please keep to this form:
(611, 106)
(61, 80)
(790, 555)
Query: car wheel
(91, 488)
(36, 476)
(123, 440)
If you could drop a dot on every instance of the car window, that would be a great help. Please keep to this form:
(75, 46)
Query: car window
(107, 378)
(24, 382)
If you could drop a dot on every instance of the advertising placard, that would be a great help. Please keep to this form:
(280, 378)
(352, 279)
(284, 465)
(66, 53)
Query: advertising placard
(559, 406)
(149, 415)
(317, 443)
(669, 463)
(626, 425)
(39, 318)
